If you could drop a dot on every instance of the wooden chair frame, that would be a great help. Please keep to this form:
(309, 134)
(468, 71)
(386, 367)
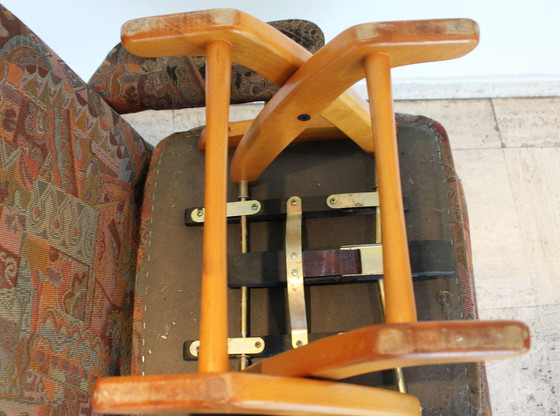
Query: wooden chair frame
(278, 385)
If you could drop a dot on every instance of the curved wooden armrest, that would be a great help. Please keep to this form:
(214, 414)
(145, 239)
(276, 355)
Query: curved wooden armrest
(247, 394)
(321, 129)
(255, 44)
(334, 69)
(386, 346)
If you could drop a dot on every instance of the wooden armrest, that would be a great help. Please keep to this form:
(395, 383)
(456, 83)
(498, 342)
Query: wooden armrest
(247, 394)
(255, 44)
(334, 69)
(320, 129)
(386, 346)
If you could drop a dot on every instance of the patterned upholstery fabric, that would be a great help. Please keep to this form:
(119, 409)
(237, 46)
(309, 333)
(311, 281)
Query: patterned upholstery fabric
(480, 398)
(71, 176)
(477, 371)
(130, 83)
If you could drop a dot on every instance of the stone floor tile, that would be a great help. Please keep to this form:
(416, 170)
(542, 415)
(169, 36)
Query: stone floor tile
(470, 124)
(188, 118)
(152, 125)
(536, 191)
(501, 268)
(528, 122)
(550, 322)
(525, 385)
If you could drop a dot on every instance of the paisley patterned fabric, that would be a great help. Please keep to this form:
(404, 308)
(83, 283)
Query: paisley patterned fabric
(143, 246)
(71, 175)
(130, 83)
(477, 371)
(480, 404)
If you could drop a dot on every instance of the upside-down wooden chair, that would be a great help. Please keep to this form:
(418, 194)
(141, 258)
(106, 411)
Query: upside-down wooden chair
(313, 102)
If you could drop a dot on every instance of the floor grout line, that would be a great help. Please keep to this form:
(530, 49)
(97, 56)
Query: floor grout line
(519, 307)
(497, 124)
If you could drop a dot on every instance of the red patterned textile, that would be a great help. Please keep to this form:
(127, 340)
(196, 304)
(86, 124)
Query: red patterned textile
(480, 397)
(71, 178)
(477, 371)
(143, 246)
(130, 83)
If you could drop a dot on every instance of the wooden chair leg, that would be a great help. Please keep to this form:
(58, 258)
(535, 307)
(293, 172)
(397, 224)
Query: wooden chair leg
(400, 305)
(213, 355)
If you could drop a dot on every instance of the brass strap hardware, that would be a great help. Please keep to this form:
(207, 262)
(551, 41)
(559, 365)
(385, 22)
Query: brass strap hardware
(234, 209)
(355, 200)
(294, 272)
(236, 346)
(371, 258)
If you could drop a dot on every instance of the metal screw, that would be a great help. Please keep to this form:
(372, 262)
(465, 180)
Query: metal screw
(199, 212)
(294, 272)
(258, 344)
(332, 201)
(293, 255)
(304, 117)
(294, 201)
(299, 343)
(254, 207)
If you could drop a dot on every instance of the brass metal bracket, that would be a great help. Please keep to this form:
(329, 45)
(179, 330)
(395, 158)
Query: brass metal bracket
(294, 272)
(234, 209)
(353, 200)
(236, 346)
(371, 257)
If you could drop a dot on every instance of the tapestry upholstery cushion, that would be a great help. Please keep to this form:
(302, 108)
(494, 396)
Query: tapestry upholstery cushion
(130, 83)
(71, 179)
(479, 394)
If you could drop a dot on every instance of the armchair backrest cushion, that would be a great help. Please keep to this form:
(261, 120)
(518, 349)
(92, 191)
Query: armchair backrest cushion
(71, 179)
(130, 83)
